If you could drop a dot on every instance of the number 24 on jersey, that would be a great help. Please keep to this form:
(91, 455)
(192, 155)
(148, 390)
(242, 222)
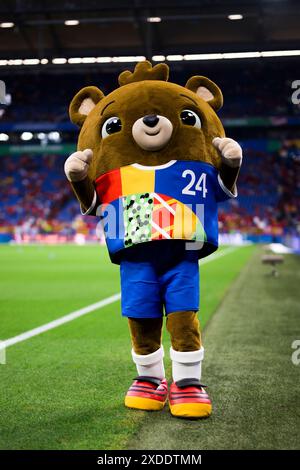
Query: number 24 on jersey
(194, 185)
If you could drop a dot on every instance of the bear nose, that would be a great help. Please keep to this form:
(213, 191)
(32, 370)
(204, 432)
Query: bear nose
(150, 120)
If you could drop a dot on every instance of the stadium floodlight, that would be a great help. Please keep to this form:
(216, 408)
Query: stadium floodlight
(15, 62)
(235, 17)
(71, 22)
(54, 136)
(155, 58)
(41, 136)
(154, 19)
(280, 53)
(89, 60)
(26, 135)
(213, 56)
(59, 60)
(4, 137)
(174, 57)
(7, 24)
(31, 61)
(241, 55)
(158, 58)
(75, 60)
(130, 58)
(103, 60)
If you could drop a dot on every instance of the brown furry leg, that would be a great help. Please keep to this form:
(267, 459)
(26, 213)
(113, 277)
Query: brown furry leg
(145, 334)
(184, 330)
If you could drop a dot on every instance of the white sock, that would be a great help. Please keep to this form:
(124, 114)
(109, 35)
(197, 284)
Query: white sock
(186, 365)
(150, 365)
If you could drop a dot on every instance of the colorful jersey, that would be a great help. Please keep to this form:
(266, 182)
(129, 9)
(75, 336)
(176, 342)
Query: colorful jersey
(177, 200)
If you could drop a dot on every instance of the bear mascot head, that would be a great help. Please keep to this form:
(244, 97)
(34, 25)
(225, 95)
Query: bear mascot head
(148, 120)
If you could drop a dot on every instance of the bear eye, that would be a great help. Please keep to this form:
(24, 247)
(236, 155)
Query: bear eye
(189, 118)
(111, 126)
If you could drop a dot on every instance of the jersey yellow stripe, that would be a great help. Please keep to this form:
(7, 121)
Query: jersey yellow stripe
(136, 181)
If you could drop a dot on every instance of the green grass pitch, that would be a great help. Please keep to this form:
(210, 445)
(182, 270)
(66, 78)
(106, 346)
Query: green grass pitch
(64, 389)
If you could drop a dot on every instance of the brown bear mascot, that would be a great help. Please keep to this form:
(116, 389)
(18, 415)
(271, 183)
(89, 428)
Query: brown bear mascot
(153, 162)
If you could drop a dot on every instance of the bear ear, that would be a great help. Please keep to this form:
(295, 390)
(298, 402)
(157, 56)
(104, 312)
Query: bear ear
(207, 90)
(83, 103)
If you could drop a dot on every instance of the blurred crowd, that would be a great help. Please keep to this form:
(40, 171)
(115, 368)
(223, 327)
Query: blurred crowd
(269, 191)
(36, 202)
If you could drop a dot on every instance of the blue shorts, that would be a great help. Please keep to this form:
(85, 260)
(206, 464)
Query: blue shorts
(151, 286)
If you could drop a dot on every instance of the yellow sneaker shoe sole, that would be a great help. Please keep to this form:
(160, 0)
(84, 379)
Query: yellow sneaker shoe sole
(191, 410)
(140, 403)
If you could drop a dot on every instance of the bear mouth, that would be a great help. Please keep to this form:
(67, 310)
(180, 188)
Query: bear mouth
(153, 133)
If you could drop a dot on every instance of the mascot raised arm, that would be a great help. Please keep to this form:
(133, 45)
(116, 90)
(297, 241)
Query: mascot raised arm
(153, 163)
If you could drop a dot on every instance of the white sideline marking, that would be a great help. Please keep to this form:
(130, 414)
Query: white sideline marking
(60, 321)
(90, 308)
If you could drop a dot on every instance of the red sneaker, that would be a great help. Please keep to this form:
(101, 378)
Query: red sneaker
(147, 393)
(188, 399)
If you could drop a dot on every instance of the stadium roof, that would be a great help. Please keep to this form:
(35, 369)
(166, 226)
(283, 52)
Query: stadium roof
(34, 29)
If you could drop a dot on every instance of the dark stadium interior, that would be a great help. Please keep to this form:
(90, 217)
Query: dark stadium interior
(258, 109)
(121, 27)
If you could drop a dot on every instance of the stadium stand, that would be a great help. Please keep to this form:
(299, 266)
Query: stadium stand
(269, 190)
(36, 204)
(243, 98)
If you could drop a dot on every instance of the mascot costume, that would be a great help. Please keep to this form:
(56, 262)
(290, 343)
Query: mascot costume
(153, 162)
